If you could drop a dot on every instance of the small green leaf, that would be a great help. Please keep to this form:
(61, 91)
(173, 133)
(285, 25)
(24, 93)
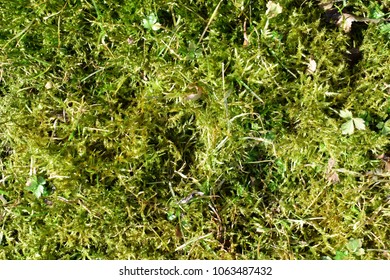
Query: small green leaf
(193, 51)
(347, 127)
(3, 192)
(376, 12)
(359, 123)
(384, 127)
(240, 191)
(171, 216)
(385, 29)
(360, 252)
(354, 245)
(345, 114)
(340, 255)
(150, 22)
(36, 185)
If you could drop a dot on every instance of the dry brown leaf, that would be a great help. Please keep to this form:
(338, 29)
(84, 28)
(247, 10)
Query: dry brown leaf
(386, 162)
(194, 95)
(333, 178)
(328, 5)
(331, 164)
(331, 175)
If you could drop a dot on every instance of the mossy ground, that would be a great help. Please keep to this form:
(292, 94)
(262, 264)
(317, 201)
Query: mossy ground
(98, 106)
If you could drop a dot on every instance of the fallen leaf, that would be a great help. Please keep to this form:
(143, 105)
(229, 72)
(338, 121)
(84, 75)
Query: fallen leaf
(386, 161)
(326, 6)
(273, 9)
(331, 175)
(331, 164)
(178, 232)
(345, 22)
(194, 95)
(130, 40)
(333, 178)
(311, 66)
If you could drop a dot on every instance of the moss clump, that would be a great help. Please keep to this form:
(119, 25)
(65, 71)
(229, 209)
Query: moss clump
(177, 140)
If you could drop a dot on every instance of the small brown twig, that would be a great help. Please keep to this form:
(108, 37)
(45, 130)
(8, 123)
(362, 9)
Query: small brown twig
(246, 41)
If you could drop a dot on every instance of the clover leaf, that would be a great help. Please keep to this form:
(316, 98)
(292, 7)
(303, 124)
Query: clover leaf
(150, 22)
(355, 247)
(384, 127)
(36, 185)
(349, 126)
(345, 114)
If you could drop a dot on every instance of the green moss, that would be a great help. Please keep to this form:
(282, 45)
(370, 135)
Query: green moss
(125, 123)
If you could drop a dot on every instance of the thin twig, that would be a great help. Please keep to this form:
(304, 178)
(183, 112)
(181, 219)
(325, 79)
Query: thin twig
(210, 20)
(192, 241)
